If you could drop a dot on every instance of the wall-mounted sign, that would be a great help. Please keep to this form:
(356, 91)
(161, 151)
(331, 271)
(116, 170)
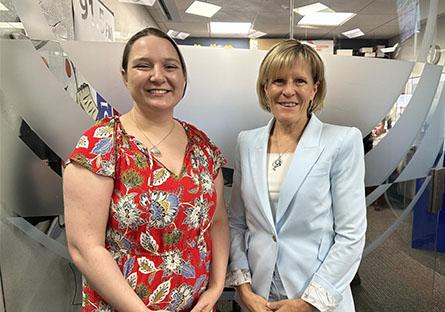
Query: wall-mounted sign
(93, 21)
(321, 46)
(104, 109)
(93, 103)
(86, 100)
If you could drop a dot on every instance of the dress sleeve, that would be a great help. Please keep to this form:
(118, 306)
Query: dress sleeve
(217, 157)
(96, 149)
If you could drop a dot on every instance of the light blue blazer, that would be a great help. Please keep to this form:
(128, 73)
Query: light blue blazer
(318, 235)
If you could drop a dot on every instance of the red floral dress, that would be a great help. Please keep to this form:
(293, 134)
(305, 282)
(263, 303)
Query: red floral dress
(158, 227)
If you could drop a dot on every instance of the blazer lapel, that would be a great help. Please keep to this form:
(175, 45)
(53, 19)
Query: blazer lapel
(258, 164)
(306, 154)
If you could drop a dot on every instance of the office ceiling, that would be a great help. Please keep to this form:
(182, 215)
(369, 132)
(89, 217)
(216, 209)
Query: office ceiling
(378, 19)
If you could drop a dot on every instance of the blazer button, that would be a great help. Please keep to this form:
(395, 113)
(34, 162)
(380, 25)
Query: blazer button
(274, 238)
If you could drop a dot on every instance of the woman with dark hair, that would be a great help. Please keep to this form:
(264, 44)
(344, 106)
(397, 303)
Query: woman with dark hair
(298, 213)
(145, 217)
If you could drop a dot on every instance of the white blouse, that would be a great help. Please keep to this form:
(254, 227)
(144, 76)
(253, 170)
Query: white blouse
(275, 177)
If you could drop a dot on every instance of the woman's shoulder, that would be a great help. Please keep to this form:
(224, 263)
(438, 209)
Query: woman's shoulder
(198, 138)
(198, 135)
(247, 135)
(101, 133)
(344, 139)
(103, 127)
(95, 150)
(338, 131)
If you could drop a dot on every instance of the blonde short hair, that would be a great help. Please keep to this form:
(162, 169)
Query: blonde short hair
(282, 56)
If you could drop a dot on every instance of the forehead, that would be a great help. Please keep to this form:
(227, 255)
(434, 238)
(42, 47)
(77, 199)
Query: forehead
(297, 66)
(153, 47)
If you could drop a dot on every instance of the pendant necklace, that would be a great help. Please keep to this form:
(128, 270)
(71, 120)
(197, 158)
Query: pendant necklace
(279, 162)
(154, 147)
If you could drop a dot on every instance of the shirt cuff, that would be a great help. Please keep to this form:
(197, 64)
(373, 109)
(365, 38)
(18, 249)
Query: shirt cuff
(319, 297)
(238, 277)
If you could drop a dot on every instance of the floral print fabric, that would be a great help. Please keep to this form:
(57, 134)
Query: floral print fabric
(158, 227)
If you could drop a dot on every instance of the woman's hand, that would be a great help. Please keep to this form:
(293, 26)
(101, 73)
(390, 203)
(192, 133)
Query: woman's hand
(207, 300)
(252, 301)
(296, 305)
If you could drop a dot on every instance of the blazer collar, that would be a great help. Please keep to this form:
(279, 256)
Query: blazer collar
(312, 133)
(305, 156)
(258, 162)
(263, 137)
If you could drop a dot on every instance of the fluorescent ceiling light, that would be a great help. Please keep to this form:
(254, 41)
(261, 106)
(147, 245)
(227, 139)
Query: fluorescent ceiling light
(354, 33)
(390, 49)
(307, 26)
(11, 25)
(203, 9)
(256, 34)
(143, 2)
(3, 8)
(311, 8)
(230, 28)
(326, 19)
(177, 34)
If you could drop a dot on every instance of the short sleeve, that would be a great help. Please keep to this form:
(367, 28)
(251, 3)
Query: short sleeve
(96, 149)
(218, 159)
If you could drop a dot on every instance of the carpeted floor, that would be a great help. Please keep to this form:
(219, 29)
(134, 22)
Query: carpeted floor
(396, 277)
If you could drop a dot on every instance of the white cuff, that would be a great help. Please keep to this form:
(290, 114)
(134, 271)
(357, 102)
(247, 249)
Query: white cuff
(319, 297)
(238, 277)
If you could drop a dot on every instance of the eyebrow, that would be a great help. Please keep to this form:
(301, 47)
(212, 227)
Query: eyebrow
(281, 75)
(168, 59)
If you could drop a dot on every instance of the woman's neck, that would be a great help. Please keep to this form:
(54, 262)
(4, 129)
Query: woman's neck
(151, 121)
(292, 130)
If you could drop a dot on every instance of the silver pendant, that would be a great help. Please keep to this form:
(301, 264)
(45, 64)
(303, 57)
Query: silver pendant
(155, 151)
(277, 163)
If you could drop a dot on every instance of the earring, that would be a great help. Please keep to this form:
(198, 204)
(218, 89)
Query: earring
(309, 109)
(267, 104)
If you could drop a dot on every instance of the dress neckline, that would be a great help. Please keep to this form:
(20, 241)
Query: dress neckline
(144, 149)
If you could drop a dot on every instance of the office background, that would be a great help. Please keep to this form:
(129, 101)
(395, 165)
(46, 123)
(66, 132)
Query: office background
(59, 65)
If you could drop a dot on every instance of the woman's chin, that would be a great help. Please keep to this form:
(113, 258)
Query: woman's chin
(291, 117)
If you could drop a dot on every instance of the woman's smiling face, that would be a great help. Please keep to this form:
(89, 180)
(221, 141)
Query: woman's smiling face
(290, 92)
(154, 75)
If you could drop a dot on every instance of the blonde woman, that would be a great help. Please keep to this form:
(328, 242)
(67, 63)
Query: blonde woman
(298, 213)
